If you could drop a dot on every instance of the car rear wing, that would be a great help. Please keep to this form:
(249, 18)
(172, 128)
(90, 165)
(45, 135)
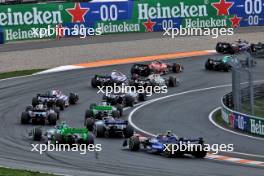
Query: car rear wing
(74, 130)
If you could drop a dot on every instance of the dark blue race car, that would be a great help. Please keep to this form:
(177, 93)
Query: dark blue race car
(167, 145)
(112, 127)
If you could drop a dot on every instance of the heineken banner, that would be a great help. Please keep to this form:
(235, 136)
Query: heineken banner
(243, 122)
(23, 22)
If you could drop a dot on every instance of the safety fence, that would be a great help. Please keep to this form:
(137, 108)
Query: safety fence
(242, 121)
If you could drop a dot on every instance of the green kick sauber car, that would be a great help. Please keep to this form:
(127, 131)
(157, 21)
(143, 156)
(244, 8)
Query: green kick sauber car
(100, 110)
(63, 134)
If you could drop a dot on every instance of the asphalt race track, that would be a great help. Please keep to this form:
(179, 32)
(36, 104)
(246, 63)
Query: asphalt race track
(186, 115)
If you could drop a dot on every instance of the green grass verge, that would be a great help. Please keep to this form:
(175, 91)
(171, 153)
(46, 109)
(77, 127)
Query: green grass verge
(218, 119)
(259, 107)
(17, 172)
(19, 73)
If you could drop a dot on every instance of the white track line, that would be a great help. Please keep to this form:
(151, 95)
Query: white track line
(229, 159)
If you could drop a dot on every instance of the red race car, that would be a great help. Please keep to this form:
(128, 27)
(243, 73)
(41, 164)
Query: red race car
(155, 67)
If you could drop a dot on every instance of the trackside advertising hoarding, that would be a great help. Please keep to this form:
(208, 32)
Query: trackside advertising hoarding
(243, 122)
(129, 16)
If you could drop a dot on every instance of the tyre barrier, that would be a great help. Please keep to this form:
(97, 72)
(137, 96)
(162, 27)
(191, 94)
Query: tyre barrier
(241, 121)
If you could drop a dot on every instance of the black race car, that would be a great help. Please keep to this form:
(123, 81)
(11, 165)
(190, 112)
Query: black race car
(219, 64)
(232, 48)
(126, 99)
(114, 77)
(39, 115)
(112, 127)
(55, 98)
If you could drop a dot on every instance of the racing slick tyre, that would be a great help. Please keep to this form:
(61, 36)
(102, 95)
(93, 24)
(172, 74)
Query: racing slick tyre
(99, 131)
(37, 134)
(94, 82)
(58, 138)
(134, 143)
(168, 153)
(129, 131)
(57, 110)
(52, 119)
(176, 68)
(25, 118)
(172, 81)
(88, 114)
(200, 154)
(120, 109)
(73, 98)
(116, 114)
(129, 101)
(61, 104)
(90, 139)
(89, 124)
(142, 97)
(207, 65)
(35, 101)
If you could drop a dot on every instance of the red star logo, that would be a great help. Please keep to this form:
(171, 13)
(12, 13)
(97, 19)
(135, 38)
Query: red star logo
(78, 13)
(235, 21)
(149, 25)
(222, 7)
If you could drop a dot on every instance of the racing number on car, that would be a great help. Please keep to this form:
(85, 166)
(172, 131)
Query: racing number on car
(253, 8)
(109, 13)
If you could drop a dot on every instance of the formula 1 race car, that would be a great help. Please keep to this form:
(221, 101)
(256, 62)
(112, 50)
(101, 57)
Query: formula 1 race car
(126, 99)
(63, 134)
(55, 97)
(232, 48)
(112, 127)
(154, 80)
(165, 144)
(39, 115)
(258, 50)
(155, 67)
(99, 110)
(114, 77)
(219, 64)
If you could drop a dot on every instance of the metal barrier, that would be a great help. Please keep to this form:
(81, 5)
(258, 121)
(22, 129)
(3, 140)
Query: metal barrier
(242, 121)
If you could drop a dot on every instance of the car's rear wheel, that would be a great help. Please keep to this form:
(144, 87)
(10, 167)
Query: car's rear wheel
(35, 101)
(89, 124)
(134, 143)
(130, 101)
(25, 118)
(129, 131)
(172, 81)
(99, 131)
(94, 82)
(37, 134)
(52, 119)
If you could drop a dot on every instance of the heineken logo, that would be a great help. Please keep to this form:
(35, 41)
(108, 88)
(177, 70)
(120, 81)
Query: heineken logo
(33, 16)
(182, 10)
(257, 127)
